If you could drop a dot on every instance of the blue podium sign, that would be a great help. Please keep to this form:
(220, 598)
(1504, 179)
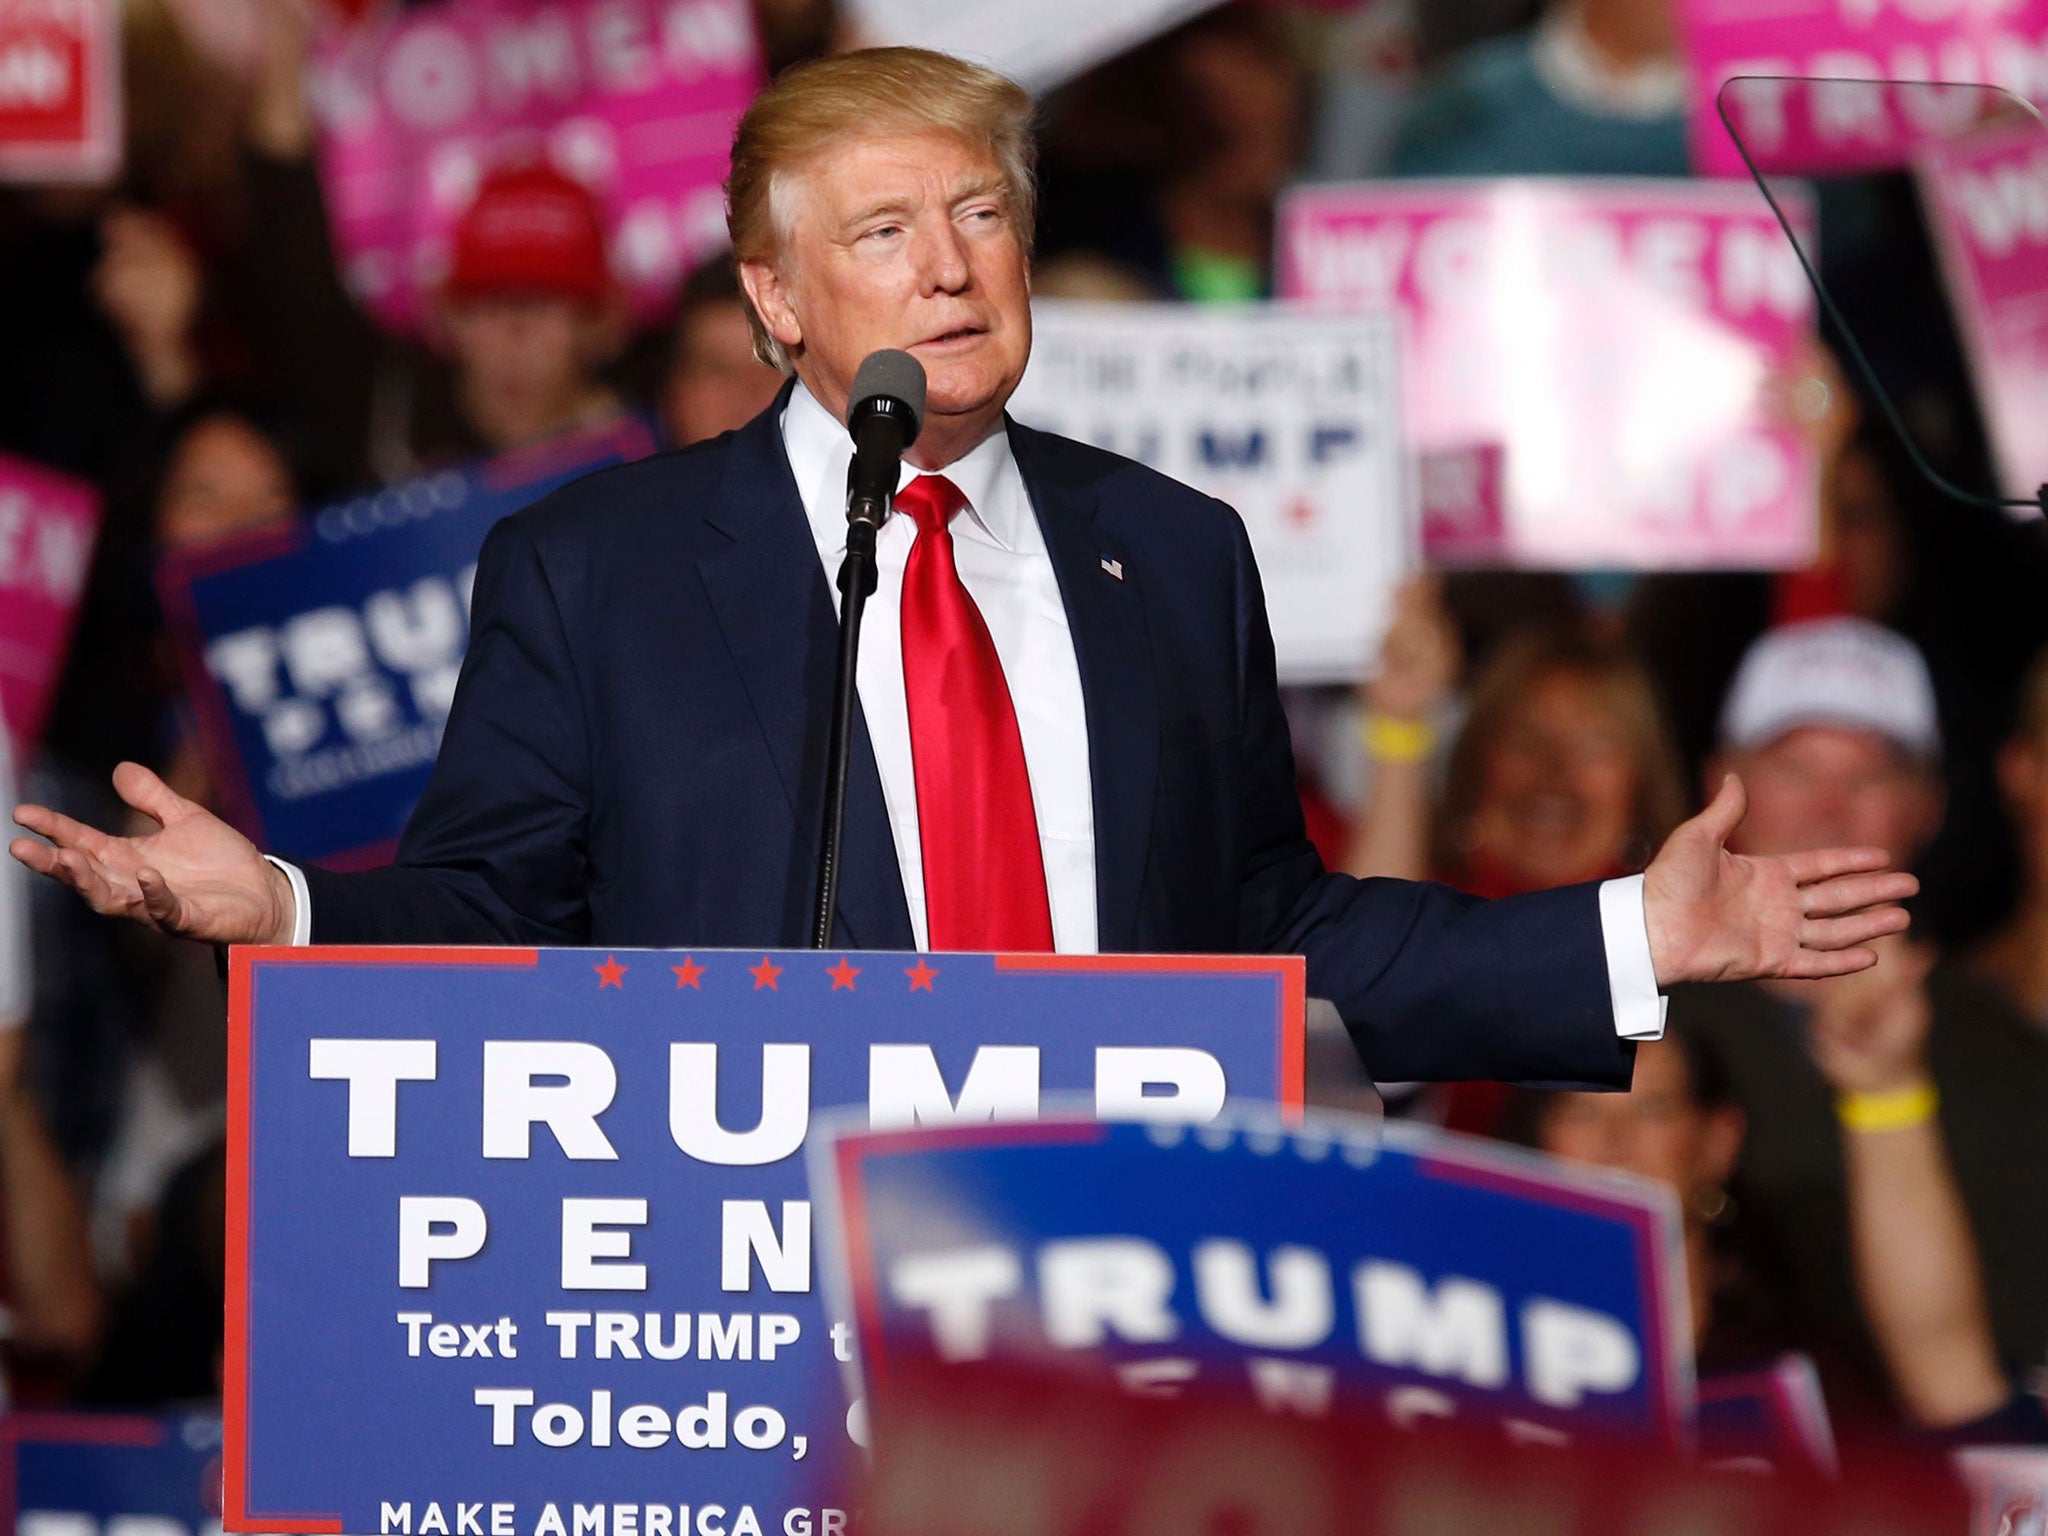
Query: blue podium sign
(321, 660)
(92, 1474)
(1410, 1274)
(520, 1241)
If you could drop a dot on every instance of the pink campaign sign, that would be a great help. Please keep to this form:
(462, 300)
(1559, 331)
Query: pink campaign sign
(636, 98)
(47, 525)
(1586, 363)
(1988, 201)
(1833, 121)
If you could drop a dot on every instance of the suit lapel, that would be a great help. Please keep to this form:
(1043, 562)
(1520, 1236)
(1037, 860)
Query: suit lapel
(770, 597)
(1106, 615)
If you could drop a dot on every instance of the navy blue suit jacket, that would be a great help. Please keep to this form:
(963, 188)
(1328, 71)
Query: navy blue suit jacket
(635, 757)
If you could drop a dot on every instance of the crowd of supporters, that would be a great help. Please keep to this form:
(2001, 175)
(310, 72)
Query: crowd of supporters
(1862, 1163)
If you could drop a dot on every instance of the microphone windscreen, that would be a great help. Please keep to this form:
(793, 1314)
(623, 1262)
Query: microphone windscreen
(889, 374)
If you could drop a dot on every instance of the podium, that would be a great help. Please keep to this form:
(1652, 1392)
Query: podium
(520, 1242)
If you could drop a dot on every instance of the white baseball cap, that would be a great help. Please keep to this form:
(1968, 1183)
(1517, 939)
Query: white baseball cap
(1843, 672)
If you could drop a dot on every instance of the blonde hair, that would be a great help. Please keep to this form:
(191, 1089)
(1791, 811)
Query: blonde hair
(1623, 689)
(814, 107)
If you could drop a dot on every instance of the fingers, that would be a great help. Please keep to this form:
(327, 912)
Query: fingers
(1830, 863)
(1724, 814)
(1853, 931)
(150, 795)
(61, 829)
(1819, 964)
(82, 874)
(1850, 893)
(158, 901)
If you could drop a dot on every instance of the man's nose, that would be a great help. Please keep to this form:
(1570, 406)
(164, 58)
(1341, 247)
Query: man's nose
(943, 264)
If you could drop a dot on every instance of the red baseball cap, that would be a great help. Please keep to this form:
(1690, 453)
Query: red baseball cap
(531, 229)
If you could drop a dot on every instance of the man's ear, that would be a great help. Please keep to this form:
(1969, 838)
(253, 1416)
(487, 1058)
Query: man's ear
(769, 294)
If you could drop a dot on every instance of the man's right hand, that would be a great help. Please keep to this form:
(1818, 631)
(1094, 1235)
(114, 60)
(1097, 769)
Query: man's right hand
(195, 877)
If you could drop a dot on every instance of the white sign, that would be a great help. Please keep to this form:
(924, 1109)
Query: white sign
(1041, 44)
(1289, 415)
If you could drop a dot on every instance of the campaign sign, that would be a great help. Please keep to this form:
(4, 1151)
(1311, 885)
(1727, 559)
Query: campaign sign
(60, 90)
(1042, 44)
(638, 99)
(1291, 417)
(89, 1474)
(321, 660)
(1815, 100)
(1406, 1273)
(1771, 1419)
(1987, 198)
(1585, 362)
(520, 1241)
(48, 523)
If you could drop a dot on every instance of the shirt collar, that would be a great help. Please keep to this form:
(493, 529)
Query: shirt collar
(1574, 69)
(820, 450)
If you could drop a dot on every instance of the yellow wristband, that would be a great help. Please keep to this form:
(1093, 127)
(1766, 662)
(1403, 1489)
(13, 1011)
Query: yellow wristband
(1396, 741)
(1893, 1111)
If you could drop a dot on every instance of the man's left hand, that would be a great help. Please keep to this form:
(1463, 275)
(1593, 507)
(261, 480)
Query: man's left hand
(1719, 916)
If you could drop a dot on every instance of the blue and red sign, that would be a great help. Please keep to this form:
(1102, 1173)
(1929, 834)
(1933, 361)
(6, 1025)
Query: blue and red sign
(1413, 1275)
(321, 659)
(516, 1235)
(91, 1474)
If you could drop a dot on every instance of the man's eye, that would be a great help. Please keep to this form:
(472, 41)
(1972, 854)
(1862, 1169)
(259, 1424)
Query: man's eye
(883, 230)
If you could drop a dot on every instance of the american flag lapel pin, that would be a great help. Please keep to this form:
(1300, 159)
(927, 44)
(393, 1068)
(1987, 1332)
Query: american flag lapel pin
(1114, 567)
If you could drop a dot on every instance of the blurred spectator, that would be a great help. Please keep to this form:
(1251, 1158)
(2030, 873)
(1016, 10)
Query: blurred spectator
(1916, 1260)
(1831, 725)
(1167, 162)
(1562, 772)
(1677, 1126)
(49, 1299)
(714, 383)
(148, 284)
(1596, 88)
(521, 331)
(2015, 958)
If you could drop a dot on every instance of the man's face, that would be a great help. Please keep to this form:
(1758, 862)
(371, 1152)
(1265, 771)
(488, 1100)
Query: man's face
(223, 477)
(1824, 786)
(715, 382)
(1657, 1130)
(521, 346)
(907, 242)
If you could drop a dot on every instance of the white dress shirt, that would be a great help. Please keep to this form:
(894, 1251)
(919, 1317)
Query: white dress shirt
(1001, 554)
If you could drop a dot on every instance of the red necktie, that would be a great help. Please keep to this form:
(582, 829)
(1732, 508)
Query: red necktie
(984, 876)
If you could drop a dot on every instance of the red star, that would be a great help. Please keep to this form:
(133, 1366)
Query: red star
(842, 974)
(1301, 513)
(920, 976)
(764, 974)
(687, 973)
(611, 973)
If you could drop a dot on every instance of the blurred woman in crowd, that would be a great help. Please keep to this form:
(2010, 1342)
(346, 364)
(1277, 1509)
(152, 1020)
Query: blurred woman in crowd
(1563, 771)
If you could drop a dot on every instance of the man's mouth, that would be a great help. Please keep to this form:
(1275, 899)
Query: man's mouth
(958, 333)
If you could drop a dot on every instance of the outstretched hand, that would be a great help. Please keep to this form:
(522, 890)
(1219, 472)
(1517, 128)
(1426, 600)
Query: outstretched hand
(1720, 916)
(195, 877)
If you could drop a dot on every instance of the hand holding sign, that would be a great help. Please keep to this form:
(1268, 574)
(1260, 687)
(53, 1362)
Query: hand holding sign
(1720, 916)
(194, 877)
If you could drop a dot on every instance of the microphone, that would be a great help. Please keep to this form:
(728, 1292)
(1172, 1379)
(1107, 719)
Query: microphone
(884, 418)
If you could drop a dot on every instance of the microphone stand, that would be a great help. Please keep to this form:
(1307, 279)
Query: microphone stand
(856, 584)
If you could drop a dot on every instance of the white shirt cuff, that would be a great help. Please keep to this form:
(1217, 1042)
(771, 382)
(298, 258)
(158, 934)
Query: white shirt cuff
(302, 910)
(1631, 973)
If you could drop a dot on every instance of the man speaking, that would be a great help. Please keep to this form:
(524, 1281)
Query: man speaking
(1070, 735)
